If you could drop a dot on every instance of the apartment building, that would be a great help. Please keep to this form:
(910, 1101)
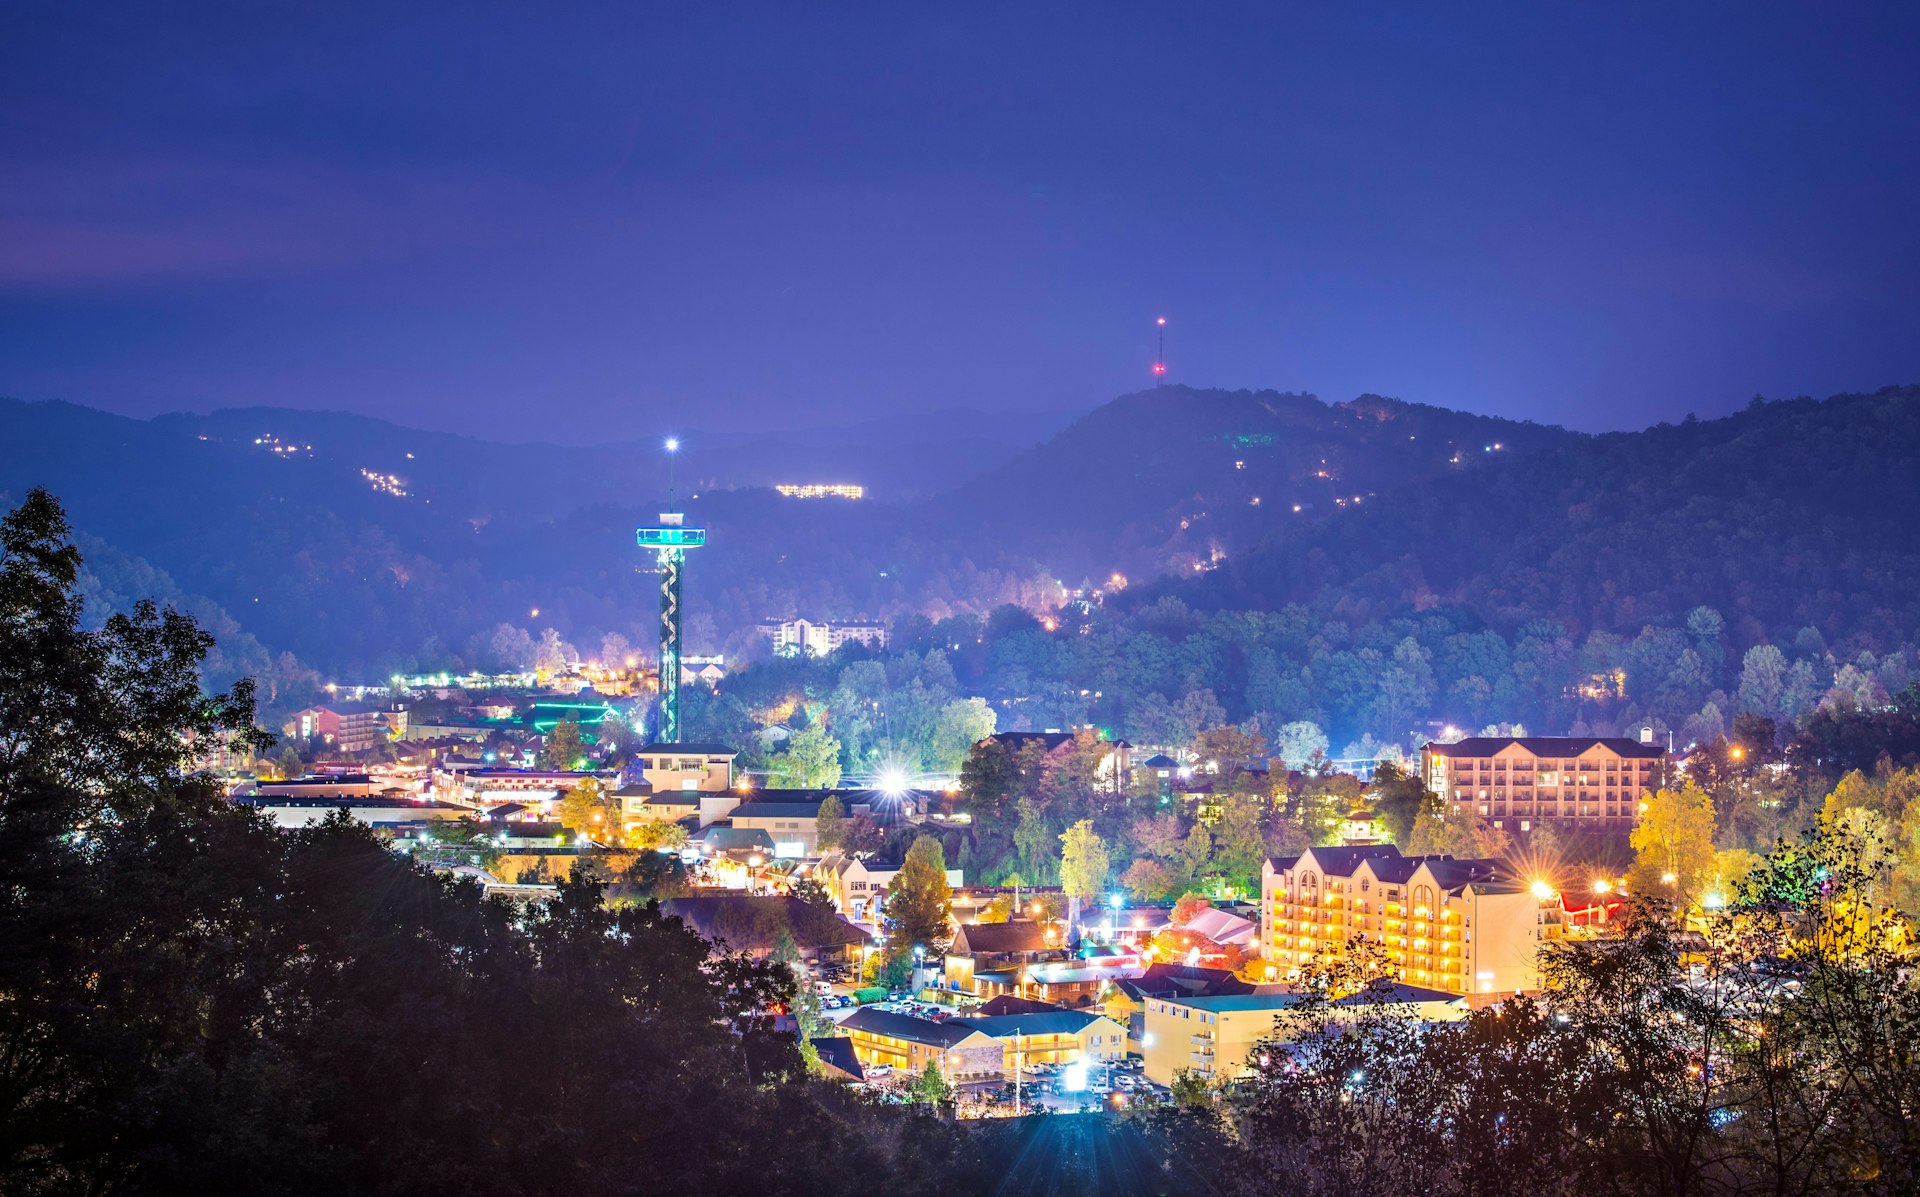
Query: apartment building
(1463, 926)
(704, 767)
(810, 638)
(1516, 782)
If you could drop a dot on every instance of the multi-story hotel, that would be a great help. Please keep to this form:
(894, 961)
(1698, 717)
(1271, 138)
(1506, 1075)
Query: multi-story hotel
(1464, 926)
(1515, 782)
(807, 638)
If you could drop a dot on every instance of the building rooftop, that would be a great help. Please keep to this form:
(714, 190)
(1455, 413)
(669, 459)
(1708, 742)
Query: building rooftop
(687, 750)
(755, 808)
(986, 939)
(1043, 1022)
(1396, 994)
(1558, 746)
(837, 1052)
(905, 1026)
(1049, 740)
(721, 838)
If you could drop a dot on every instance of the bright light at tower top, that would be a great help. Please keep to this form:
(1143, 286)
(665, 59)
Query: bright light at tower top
(673, 444)
(1161, 320)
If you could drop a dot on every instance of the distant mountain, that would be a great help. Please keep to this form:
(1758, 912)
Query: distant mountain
(360, 559)
(359, 544)
(1787, 515)
(1173, 476)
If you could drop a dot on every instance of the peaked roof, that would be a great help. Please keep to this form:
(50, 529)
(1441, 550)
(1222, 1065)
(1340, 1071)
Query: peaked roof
(1043, 1022)
(1223, 926)
(836, 1052)
(986, 939)
(1477, 746)
(943, 1035)
(1050, 740)
(1007, 1003)
(721, 838)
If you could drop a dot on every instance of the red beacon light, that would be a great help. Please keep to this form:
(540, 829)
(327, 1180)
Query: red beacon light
(1159, 367)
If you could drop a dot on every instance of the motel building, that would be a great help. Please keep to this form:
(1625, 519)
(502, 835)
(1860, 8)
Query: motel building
(1215, 1036)
(973, 1050)
(908, 1044)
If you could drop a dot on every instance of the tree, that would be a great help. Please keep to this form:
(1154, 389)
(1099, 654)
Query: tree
(175, 967)
(997, 910)
(1299, 743)
(813, 894)
(1240, 842)
(1399, 797)
(1083, 862)
(919, 899)
(562, 748)
(830, 825)
(288, 764)
(589, 811)
(1033, 839)
(1231, 745)
(1151, 880)
(1462, 834)
(930, 1088)
(656, 835)
(811, 760)
(1190, 907)
(1673, 845)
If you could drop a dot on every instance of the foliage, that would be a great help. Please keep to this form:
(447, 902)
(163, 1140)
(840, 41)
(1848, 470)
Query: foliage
(930, 1088)
(830, 824)
(812, 893)
(590, 811)
(919, 899)
(1190, 907)
(811, 760)
(1083, 862)
(1673, 845)
(562, 748)
(197, 1001)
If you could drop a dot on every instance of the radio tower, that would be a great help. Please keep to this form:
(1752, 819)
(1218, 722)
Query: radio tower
(1160, 350)
(670, 542)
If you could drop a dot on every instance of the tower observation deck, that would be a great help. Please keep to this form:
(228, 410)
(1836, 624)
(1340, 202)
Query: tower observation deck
(670, 542)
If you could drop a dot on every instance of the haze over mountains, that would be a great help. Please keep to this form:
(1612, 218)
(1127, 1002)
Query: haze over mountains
(1786, 514)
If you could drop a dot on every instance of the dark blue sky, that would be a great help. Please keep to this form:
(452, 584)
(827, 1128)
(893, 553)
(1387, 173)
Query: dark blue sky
(564, 221)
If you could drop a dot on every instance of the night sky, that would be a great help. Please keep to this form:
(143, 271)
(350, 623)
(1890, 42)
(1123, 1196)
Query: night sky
(577, 222)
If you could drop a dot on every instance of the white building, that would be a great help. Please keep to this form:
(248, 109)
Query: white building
(797, 637)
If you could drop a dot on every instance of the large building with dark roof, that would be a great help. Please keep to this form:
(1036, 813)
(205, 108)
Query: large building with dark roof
(1462, 925)
(1519, 782)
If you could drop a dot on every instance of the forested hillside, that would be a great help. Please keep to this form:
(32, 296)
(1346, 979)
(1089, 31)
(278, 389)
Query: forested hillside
(1441, 566)
(1763, 564)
